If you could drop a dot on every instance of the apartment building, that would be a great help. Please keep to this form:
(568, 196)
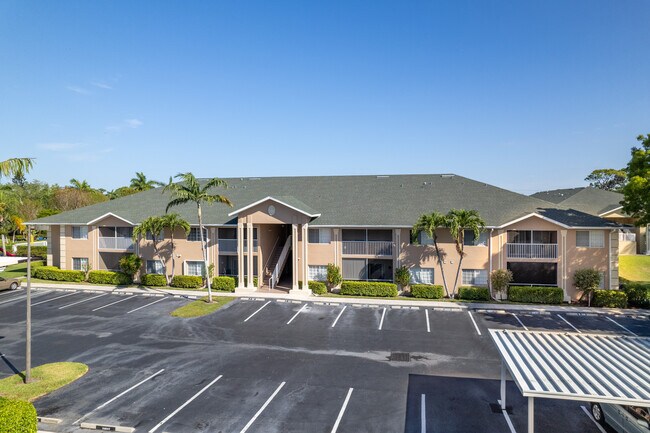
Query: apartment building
(285, 230)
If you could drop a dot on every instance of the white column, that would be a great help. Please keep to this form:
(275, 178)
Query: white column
(563, 264)
(305, 261)
(249, 258)
(63, 260)
(49, 246)
(294, 254)
(531, 415)
(240, 254)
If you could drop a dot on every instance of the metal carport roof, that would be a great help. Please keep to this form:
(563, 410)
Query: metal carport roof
(570, 366)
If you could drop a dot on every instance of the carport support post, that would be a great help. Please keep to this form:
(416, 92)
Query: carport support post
(503, 385)
(28, 336)
(531, 415)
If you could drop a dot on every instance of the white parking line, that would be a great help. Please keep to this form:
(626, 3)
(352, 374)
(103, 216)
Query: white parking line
(426, 311)
(423, 414)
(24, 296)
(118, 396)
(259, 412)
(82, 301)
(520, 322)
(569, 323)
(478, 331)
(144, 306)
(54, 299)
(296, 315)
(618, 324)
(185, 404)
(339, 316)
(381, 322)
(507, 417)
(257, 311)
(342, 411)
(113, 303)
(600, 427)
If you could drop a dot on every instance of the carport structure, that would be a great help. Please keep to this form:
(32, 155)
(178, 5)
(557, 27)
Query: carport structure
(570, 366)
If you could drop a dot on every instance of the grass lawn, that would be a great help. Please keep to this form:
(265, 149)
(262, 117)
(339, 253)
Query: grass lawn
(45, 379)
(200, 307)
(16, 271)
(634, 268)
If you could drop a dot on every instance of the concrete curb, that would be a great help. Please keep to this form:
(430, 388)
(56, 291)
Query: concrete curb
(102, 427)
(45, 420)
(282, 297)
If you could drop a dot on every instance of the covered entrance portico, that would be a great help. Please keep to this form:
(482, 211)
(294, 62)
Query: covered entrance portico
(282, 225)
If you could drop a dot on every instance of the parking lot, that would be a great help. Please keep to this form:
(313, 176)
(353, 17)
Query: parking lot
(272, 366)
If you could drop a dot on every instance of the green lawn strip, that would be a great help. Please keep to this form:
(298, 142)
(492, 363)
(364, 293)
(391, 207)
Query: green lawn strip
(634, 268)
(15, 271)
(45, 379)
(200, 307)
(411, 298)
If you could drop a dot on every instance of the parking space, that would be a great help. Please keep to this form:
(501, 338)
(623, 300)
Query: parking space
(638, 325)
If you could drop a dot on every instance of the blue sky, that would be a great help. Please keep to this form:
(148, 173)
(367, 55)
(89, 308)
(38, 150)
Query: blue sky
(525, 95)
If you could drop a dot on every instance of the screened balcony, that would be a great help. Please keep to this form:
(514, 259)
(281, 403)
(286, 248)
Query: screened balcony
(116, 238)
(531, 244)
(367, 242)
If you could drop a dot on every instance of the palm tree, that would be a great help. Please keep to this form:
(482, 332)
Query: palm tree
(12, 166)
(155, 226)
(80, 185)
(429, 224)
(459, 220)
(190, 190)
(140, 182)
(173, 222)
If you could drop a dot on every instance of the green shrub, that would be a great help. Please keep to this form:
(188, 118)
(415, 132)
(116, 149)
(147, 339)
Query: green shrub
(368, 288)
(17, 416)
(53, 273)
(255, 281)
(536, 294)
(610, 298)
(334, 277)
(474, 293)
(130, 264)
(427, 291)
(587, 281)
(317, 287)
(224, 284)
(187, 281)
(499, 279)
(153, 280)
(34, 266)
(638, 294)
(403, 276)
(109, 277)
(37, 251)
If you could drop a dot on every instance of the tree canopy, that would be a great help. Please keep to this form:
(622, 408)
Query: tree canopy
(609, 179)
(636, 192)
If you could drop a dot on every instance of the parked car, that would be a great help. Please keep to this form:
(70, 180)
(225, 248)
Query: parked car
(8, 253)
(623, 419)
(9, 283)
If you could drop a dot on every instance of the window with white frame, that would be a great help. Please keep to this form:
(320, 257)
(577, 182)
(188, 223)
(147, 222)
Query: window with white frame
(470, 239)
(194, 267)
(320, 236)
(421, 275)
(79, 232)
(195, 235)
(317, 273)
(80, 264)
(475, 277)
(155, 267)
(590, 238)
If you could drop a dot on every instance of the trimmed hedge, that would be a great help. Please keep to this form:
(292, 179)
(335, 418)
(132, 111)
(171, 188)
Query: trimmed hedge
(53, 273)
(610, 299)
(474, 293)
(37, 251)
(153, 280)
(187, 281)
(109, 277)
(34, 266)
(368, 288)
(17, 416)
(535, 294)
(427, 291)
(224, 284)
(638, 294)
(317, 287)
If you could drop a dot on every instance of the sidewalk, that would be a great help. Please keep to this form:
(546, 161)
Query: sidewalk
(446, 305)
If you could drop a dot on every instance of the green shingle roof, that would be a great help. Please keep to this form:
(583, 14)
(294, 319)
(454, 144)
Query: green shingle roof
(395, 200)
(590, 200)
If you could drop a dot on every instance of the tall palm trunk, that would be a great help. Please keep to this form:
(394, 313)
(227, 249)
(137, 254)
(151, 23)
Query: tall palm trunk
(205, 254)
(442, 268)
(460, 264)
(173, 245)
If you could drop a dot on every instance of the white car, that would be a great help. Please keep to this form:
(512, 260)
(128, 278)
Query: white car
(623, 419)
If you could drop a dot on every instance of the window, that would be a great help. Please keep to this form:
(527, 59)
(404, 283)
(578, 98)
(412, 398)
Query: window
(354, 269)
(532, 237)
(195, 235)
(79, 232)
(601, 283)
(317, 273)
(472, 240)
(421, 275)
(367, 269)
(590, 238)
(228, 265)
(80, 264)
(155, 267)
(424, 239)
(320, 236)
(194, 268)
(542, 274)
(475, 277)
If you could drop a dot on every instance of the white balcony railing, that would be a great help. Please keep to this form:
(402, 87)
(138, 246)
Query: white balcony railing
(368, 248)
(255, 244)
(532, 251)
(227, 245)
(115, 243)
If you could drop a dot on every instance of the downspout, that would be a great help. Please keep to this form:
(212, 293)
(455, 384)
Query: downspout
(490, 264)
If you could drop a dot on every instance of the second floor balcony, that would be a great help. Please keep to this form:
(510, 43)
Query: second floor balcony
(368, 248)
(116, 243)
(531, 251)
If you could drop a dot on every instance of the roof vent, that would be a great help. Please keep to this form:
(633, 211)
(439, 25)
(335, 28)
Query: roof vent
(382, 176)
(254, 178)
(447, 175)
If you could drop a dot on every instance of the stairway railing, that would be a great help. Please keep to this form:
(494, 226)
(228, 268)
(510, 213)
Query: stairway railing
(279, 266)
